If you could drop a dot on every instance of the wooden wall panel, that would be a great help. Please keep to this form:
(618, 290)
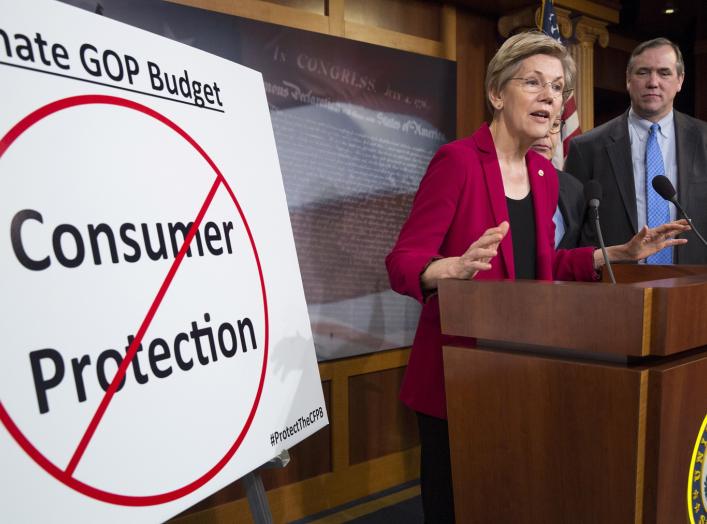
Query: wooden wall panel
(609, 104)
(610, 95)
(312, 6)
(379, 423)
(476, 44)
(308, 459)
(412, 17)
(700, 51)
(610, 68)
(265, 12)
(701, 79)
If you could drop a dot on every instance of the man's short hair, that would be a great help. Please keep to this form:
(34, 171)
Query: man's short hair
(657, 42)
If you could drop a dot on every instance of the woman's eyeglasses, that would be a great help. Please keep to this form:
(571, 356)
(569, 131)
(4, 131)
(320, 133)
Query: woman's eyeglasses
(557, 126)
(532, 84)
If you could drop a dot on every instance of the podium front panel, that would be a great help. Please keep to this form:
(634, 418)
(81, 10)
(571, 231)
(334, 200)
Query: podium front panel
(539, 439)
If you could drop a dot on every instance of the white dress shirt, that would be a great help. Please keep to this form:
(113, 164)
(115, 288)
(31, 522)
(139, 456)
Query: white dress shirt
(639, 129)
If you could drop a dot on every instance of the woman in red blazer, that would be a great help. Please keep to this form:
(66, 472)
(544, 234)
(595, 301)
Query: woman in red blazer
(478, 192)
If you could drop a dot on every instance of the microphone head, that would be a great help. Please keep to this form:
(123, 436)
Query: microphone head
(664, 188)
(592, 193)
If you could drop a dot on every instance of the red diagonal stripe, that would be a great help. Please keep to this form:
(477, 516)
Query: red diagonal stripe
(93, 425)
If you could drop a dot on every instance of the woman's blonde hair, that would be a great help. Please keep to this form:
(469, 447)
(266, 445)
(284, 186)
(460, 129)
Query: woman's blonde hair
(505, 63)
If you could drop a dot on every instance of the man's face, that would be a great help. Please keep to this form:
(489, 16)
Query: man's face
(546, 145)
(653, 82)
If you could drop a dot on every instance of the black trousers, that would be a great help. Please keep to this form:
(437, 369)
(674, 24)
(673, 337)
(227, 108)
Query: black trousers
(435, 470)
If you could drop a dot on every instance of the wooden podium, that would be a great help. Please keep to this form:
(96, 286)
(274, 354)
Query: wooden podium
(579, 402)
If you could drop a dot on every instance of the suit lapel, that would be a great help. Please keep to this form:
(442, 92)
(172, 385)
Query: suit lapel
(685, 149)
(497, 196)
(618, 149)
(562, 200)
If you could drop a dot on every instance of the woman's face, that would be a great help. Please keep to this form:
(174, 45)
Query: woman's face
(531, 101)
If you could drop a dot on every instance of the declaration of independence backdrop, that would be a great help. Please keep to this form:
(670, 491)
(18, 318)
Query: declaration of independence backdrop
(355, 127)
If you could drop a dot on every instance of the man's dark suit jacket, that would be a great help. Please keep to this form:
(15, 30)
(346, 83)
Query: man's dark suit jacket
(572, 207)
(604, 154)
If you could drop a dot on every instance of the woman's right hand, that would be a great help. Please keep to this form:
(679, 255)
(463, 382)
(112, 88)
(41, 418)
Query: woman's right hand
(476, 258)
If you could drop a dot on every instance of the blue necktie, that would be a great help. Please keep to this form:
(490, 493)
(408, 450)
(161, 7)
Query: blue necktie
(657, 211)
(559, 221)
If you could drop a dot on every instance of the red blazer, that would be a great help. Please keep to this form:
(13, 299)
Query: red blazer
(459, 198)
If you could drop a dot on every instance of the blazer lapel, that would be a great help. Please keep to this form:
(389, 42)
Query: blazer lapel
(538, 174)
(497, 196)
(618, 149)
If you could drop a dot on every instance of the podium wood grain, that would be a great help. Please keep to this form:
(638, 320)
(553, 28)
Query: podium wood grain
(559, 419)
(650, 317)
(537, 439)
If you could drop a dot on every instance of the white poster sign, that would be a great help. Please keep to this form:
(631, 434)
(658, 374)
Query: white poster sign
(155, 338)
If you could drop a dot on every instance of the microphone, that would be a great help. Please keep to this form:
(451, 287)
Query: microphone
(664, 188)
(592, 194)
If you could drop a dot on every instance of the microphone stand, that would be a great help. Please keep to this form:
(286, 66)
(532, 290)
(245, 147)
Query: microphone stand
(689, 220)
(664, 187)
(597, 228)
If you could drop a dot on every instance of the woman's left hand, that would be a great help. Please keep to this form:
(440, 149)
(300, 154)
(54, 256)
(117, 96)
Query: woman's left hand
(649, 241)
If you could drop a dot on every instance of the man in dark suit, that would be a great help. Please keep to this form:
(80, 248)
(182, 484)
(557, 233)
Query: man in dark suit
(571, 208)
(622, 154)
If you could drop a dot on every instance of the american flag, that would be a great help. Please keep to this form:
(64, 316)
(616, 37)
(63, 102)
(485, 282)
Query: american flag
(571, 129)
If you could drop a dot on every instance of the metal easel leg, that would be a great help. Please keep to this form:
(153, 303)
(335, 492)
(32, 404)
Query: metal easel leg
(255, 491)
(257, 498)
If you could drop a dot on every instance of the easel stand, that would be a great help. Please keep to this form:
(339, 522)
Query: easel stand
(255, 491)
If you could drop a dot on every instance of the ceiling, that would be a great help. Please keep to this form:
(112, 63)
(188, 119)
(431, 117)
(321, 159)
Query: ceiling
(645, 18)
(639, 19)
